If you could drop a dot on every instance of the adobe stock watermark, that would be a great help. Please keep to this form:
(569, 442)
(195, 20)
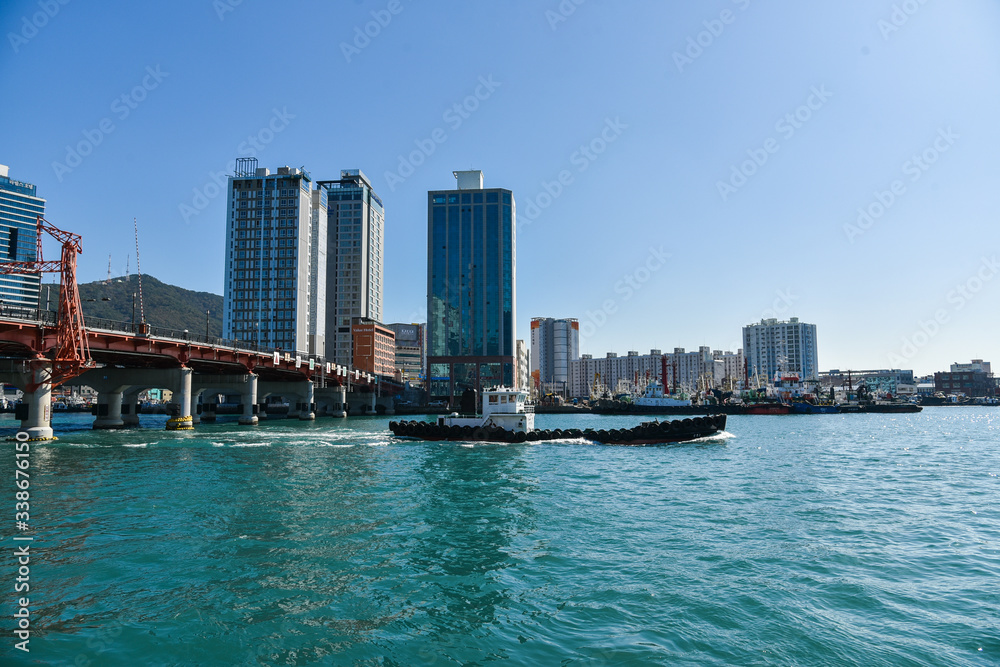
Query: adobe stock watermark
(901, 13)
(786, 126)
(957, 298)
(217, 182)
(454, 116)
(713, 30)
(629, 285)
(122, 107)
(223, 7)
(563, 11)
(915, 167)
(40, 19)
(363, 35)
(585, 155)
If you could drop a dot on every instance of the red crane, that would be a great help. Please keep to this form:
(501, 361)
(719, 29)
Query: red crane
(72, 354)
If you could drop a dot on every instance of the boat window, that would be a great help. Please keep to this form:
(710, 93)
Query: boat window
(503, 399)
(493, 398)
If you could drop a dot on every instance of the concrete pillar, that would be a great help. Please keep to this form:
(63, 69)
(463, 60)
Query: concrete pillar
(339, 402)
(109, 410)
(182, 422)
(208, 409)
(196, 408)
(249, 399)
(371, 404)
(130, 408)
(36, 407)
(308, 398)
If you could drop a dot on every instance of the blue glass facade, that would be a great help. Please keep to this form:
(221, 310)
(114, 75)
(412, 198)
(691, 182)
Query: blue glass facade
(19, 211)
(471, 290)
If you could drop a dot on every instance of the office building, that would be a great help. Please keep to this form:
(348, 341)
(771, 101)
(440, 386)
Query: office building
(374, 348)
(275, 228)
(772, 346)
(19, 211)
(471, 287)
(355, 252)
(554, 343)
(411, 352)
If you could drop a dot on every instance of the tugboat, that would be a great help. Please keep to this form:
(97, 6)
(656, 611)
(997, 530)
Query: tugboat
(508, 417)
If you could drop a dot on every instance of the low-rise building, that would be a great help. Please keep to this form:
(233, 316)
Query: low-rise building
(973, 384)
(374, 347)
(411, 352)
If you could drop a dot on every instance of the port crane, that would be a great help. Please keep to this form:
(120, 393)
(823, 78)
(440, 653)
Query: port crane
(71, 355)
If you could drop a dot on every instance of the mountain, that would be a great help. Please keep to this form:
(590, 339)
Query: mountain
(163, 305)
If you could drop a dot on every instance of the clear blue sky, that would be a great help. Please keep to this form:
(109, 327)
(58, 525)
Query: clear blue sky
(676, 118)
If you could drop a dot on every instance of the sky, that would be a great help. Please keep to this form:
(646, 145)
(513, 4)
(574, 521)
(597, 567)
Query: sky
(680, 169)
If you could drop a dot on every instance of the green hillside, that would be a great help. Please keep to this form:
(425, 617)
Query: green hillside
(164, 305)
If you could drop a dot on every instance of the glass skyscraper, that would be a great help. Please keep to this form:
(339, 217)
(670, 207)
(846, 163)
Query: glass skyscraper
(19, 211)
(471, 287)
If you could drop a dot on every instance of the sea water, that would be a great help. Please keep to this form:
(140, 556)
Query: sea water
(800, 540)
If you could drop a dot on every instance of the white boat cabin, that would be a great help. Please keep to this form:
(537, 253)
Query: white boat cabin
(503, 407)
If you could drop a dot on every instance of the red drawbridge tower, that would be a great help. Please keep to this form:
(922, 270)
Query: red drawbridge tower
(71, 354)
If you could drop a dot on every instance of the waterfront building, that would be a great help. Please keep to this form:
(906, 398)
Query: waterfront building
(355, 221)
(883, 381)
(554, 344)
(771, 346)
(374, 347)
(976, 365)
(523, 356)
(274, 287)
(19, 210)
(685, 372)
(471, 287)
(729, 368)
(411, 352)
(973, 383)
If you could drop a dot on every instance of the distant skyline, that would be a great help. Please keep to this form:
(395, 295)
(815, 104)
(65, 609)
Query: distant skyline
(680, 171)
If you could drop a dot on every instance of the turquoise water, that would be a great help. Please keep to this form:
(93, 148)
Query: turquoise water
(802, 540)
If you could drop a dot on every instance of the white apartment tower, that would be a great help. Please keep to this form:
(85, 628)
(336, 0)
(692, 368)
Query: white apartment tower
(355, 255)
(772, 346)
(554, 344)
(275, 261)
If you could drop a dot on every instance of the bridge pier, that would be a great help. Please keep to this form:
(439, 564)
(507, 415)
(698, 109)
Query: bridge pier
(307, 410)
(35, 410)
(109, 409)
(208, 413)
(183, 421)
(333, 400)
(130, 407)
(196, 407)
(249, 399)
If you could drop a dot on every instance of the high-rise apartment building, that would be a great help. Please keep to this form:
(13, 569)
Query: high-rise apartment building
(275, 267)
(554, 343)
(471, 287)
(772, 346)
(19, 211)
(355, 256)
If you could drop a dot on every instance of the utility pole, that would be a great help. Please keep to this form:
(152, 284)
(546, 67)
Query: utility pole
(208, 314)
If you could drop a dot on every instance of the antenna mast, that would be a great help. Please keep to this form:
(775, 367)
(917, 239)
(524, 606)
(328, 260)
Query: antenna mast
(138, 271)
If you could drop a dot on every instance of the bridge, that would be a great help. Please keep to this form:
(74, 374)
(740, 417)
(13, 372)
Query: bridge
(129, 358)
